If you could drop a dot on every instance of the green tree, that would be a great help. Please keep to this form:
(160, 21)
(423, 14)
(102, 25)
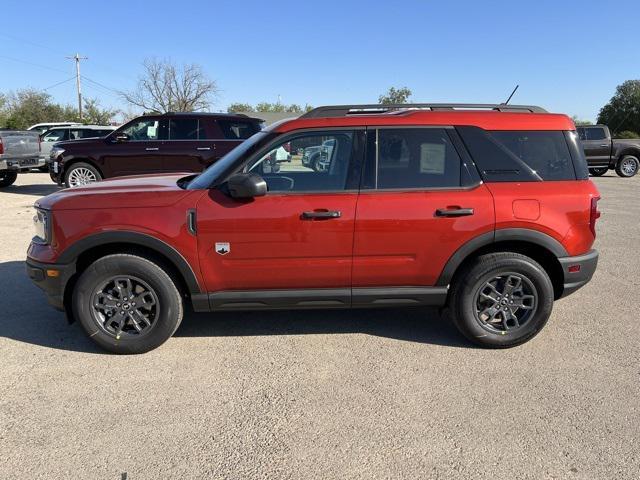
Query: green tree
(92, 113)
(626, 134)
(395, 95)
(240, 107)
(29, 106)
(577, 121)
(623, 110)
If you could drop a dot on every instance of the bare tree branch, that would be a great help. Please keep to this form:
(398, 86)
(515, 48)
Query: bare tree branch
(165, 88)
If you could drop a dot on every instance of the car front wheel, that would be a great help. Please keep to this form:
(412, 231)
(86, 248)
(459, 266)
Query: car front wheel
(127, 304)
(81, 173)
(501, 300)
(628, 166)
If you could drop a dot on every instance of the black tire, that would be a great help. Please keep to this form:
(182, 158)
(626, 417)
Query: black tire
(467, 291)
(164, 315)
(598, 172)
(628, 166)
(7, 178)
(75, 169)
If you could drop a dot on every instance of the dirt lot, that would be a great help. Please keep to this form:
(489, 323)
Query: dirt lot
(366, 394)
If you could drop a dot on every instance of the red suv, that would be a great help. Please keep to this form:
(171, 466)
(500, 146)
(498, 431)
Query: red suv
(486, 209)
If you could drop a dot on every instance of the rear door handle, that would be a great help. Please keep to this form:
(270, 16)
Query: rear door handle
(321, 214)
(604, 145)
(203, 149)
(454, 212)
(152, 149)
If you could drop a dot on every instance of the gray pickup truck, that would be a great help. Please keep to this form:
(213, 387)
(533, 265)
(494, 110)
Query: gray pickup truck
(604, 153)
(19, 151)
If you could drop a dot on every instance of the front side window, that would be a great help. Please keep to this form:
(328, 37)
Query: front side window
(183, 129)
(237, 130)
(56, 135)
(416, 158)
(307, 163)
(147, 130)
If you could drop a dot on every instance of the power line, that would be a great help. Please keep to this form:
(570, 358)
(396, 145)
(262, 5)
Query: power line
(101, 85)
(33, 64)
(59, 83)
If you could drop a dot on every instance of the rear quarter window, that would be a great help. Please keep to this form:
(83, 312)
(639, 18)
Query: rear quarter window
(519, 155)
(238, 129)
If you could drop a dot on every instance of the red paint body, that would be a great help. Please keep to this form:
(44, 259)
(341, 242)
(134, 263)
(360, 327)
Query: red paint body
(382, 238)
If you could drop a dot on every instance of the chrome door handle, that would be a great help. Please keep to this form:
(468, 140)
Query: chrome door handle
(321, 214)
(454, 212)
(152, 149)
(604, 145)
(203, 149)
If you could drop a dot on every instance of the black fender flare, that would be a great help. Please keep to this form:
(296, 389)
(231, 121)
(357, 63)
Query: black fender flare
(71, 254)
(506, 234)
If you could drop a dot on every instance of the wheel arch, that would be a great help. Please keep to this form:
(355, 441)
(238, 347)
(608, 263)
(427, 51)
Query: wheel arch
(86, 251)
(72, 161)
(539, 246)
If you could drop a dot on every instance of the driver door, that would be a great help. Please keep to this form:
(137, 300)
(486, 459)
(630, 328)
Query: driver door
(297, 237)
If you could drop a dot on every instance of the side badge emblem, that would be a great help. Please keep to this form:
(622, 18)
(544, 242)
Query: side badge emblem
(222, 248)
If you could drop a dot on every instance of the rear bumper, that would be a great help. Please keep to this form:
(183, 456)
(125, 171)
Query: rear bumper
(18, 164)
(578, 271)
(52, 278)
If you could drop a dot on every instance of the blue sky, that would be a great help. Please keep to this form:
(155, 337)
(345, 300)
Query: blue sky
(567, 56)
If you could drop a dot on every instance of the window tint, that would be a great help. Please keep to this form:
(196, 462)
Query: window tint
(307, 163)
(519, 156)
(595, 133)
(183, 129)
(238, 130)
(581, 133)
(416, 158)
(56, 135)
(147, 129)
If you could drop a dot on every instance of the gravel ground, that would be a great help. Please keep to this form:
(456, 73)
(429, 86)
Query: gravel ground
(363, 394)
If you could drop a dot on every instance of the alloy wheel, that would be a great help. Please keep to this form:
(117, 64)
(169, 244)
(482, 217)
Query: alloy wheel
(629, 166)
(125, 306)
(81, 176)
(505, 302)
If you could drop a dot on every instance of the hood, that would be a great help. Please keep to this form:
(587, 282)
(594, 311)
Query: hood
(137, 191)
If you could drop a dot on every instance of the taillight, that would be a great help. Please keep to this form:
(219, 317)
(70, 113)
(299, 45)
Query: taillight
(594, 214)
(1, 147)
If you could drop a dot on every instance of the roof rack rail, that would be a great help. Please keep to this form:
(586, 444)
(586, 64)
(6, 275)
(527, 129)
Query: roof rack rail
(372, 109)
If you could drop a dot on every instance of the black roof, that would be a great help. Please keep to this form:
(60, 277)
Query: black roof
(209, 114)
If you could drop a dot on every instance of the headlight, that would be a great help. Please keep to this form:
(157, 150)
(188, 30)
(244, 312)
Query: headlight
(42, 226)
(56, 152)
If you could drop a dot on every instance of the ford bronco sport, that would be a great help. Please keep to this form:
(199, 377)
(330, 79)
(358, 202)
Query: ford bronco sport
(485, 209)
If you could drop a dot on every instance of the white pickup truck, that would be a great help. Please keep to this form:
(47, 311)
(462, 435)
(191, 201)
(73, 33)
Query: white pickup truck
(19, 151)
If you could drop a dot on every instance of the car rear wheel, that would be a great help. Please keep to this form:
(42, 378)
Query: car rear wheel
(127, 304)
(7, 178)
(81, 173)
(628, 166)
(598, 172)
(501, 300)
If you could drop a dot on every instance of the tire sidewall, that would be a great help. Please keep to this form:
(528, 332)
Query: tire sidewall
(470, 325)
(621, 172)
(170, 308)
(8, 178)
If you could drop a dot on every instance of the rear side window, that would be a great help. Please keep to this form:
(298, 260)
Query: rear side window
(238, 129)
(594, 133)
(415, 158)
(183, 129)
(519, 155)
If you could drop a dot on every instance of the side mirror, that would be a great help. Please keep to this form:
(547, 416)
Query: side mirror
(122, 137)
(246, 185)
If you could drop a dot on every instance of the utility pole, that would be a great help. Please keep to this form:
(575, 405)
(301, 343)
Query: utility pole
(77, 58)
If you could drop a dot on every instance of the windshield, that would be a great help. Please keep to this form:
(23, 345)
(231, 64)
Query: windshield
(230, 161)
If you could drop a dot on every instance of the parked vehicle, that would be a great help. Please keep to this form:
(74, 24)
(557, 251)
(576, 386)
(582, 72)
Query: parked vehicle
(604, 153)
(312, 156)
(172, 142)
(19, 151)
(76, 132)
(43, 127)
(489, 213)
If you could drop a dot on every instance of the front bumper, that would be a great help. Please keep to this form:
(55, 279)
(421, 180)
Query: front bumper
(18, 164)
(52, 278)
(578, 271)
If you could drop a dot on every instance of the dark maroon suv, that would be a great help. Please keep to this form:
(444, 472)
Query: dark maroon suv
(170, 142)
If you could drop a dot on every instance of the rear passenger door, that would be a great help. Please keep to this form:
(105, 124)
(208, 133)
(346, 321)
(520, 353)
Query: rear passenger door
(420, 201)
(596, 144)
(187, 150)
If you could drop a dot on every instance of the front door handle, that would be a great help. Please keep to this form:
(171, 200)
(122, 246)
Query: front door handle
(321, 214)
(604, 145)
(203, 149)
(151, 149)
(454, 212)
